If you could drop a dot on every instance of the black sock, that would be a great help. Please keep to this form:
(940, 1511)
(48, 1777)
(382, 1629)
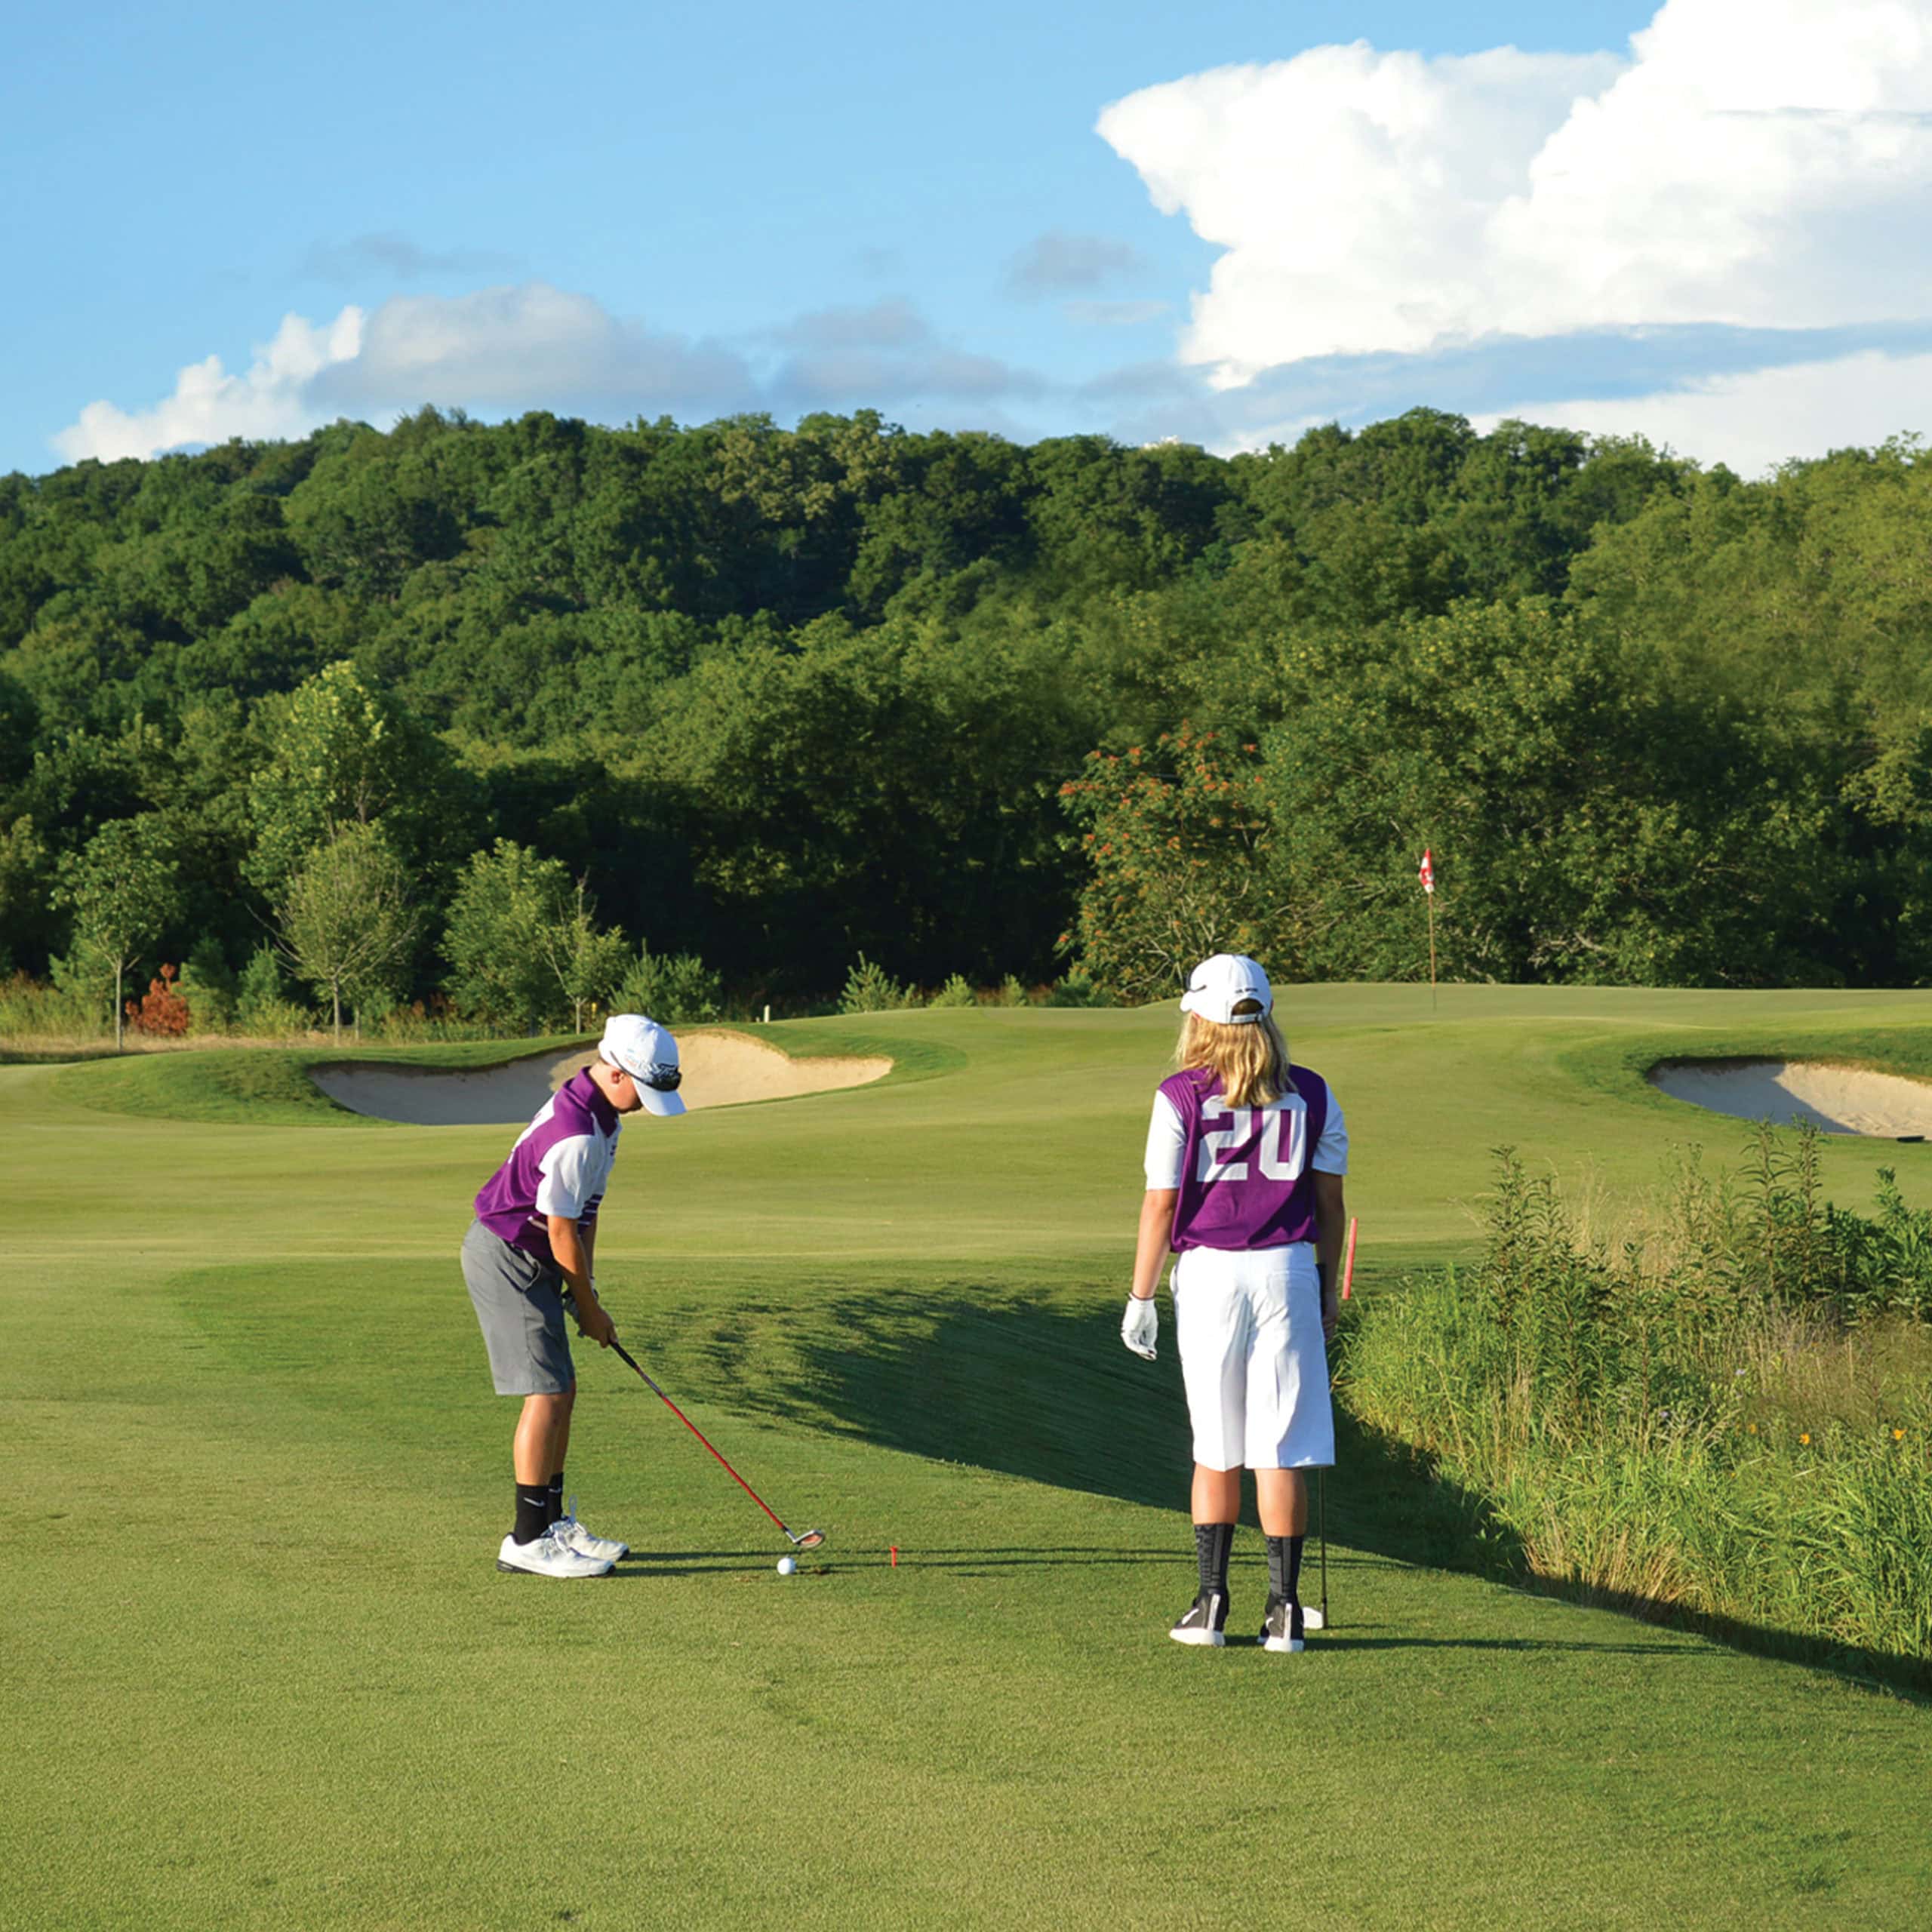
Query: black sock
(1285, 1565)
(1212, 1543)
(533, 1511)
(555, 1505)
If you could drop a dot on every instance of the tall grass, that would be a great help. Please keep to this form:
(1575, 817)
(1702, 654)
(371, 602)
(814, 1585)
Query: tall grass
(1727, 1412)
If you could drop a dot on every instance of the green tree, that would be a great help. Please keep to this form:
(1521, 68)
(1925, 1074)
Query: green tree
(347, 921)
(676, 988)
(587, 960)
(501, 935)
(339, 753)
(1177, 836)
(121, 889)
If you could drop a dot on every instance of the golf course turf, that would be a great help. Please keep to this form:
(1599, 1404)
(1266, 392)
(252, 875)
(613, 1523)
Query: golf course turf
(260, 1670)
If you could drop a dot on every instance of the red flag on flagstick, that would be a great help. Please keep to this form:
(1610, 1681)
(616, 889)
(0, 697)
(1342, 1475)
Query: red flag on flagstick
(1426, 872)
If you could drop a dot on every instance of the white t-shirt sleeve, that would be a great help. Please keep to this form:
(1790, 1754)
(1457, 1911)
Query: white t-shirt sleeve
(1331, 1151)
(1167, 1144)
(568, 1182)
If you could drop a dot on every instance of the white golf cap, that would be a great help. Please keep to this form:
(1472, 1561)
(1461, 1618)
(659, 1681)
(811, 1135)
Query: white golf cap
(1217, 986)
(647, 1053)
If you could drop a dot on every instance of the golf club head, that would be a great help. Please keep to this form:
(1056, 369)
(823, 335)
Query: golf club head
(810, 1539)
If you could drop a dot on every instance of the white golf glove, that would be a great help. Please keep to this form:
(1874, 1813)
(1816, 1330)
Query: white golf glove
(1140, 1325)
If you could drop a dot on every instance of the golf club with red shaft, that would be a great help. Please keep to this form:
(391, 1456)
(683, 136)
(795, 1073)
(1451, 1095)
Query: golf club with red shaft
(806, 1540)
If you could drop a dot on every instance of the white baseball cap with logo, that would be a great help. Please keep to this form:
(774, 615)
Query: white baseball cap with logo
(647, 1053)
(1218, 986)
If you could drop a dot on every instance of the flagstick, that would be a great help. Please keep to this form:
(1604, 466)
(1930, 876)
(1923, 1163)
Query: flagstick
(1431, 898)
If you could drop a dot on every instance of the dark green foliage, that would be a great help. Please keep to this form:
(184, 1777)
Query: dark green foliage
(782, 696)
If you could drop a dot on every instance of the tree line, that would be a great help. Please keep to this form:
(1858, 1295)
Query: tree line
(554, 705)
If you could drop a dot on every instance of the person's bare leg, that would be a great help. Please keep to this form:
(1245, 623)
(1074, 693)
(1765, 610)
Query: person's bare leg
(542, 1432)
(1282, 1497)
(1217, 1494)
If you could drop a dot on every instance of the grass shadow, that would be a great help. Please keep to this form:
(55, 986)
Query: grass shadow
(1027, 1387)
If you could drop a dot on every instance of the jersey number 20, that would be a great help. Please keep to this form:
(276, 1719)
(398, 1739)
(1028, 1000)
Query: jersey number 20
(1218, 1163)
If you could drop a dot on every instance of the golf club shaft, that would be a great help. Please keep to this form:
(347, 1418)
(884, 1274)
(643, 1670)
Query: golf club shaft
(1321, 1517)
(698, 1432)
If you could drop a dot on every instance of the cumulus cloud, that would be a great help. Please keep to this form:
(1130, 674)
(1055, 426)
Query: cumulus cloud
(1744, 165)
(532, 346)
(1057, 263)
(1740, 165)
(209, 405)
(528, 347)
(1755, 421)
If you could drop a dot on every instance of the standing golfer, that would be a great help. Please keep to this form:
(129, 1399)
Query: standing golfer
(1245, 1156)
(529, 1247)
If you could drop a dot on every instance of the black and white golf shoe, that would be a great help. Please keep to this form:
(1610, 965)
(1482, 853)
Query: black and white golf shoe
(1205, 1621)
(1281, 1626)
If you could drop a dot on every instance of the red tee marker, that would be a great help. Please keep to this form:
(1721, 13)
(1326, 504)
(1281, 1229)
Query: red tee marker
(1348, 1260)
(895, 1556)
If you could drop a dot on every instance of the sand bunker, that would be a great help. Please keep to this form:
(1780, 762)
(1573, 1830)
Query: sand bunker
(720, 1070)
(1836, 1099)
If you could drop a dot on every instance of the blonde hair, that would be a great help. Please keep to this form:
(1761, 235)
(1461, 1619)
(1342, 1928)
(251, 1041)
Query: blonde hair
(1250, 1056)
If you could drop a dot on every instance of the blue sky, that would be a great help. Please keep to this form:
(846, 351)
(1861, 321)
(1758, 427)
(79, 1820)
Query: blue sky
(1222, 222)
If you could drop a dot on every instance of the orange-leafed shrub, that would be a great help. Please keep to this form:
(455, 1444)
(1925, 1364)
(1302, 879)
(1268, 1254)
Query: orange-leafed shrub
(163, 1011)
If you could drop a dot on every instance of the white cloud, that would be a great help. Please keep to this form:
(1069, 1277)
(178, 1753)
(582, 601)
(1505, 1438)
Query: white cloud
(529, 346)
(533, 347)
(1756, 421)
(209, 405)
(1749, 162)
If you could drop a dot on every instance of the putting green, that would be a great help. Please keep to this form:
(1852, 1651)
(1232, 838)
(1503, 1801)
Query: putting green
(261, 1671)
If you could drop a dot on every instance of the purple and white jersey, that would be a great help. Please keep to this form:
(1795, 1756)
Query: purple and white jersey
(561, 1164)
(1245, 1175)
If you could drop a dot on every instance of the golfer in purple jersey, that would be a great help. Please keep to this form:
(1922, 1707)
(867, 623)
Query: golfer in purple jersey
(1245, 1156)
(529, 1248)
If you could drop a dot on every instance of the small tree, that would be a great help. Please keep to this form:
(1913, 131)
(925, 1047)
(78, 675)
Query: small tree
(163, 1012)
(347, 923)
(208, 987)
(122, 888)
(498, 933)
(677, 988)
(869, 988)
(587, 963)
(262, 1004)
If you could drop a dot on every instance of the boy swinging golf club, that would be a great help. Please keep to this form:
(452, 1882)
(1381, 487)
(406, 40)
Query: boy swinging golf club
(1245, 1161)
(530, 1245)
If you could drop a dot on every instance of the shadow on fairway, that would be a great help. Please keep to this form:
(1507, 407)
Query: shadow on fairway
(1027, 1388)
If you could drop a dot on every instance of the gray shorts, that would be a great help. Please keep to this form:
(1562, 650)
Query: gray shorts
(519, 1305)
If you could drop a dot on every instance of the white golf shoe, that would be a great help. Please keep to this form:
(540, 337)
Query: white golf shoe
(548, 1555)
(572, 1535)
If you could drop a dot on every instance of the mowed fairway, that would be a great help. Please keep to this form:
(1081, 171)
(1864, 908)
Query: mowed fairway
(260, 1669)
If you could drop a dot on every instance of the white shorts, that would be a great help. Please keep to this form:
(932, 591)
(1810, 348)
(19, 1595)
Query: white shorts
(1248, 1324)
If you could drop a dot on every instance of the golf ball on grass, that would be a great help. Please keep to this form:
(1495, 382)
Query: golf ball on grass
(785, 1566)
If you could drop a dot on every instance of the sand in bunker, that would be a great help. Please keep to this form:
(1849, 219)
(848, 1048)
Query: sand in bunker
(1837, 1099)
(720, 1070)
